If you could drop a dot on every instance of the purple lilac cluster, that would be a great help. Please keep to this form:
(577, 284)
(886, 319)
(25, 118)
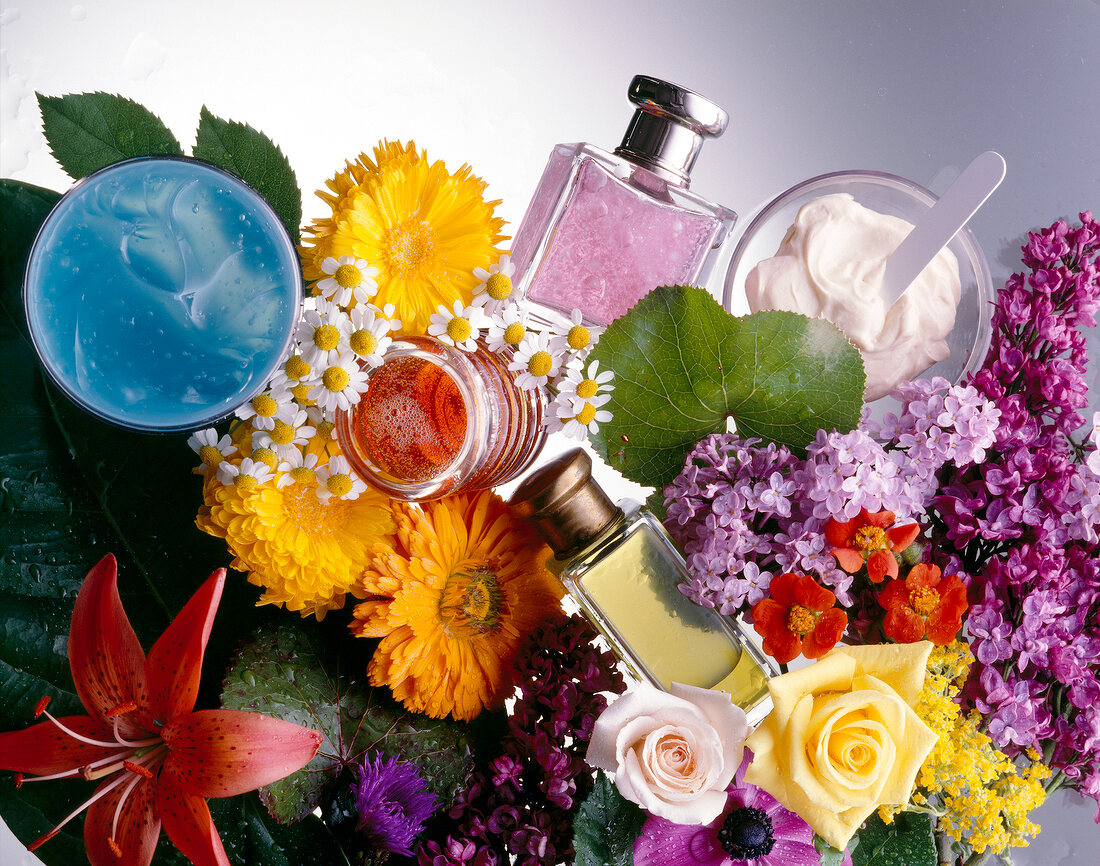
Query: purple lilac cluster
(744, 512)
(1021, 526)
(520, 807)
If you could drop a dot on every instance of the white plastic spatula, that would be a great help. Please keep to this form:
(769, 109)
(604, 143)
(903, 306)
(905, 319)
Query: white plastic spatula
(936, 228)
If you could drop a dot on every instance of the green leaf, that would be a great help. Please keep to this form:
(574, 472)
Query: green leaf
(829, 855)
(252, 838)
(683, 365)
(283, 672)
(606, 826)
(256, 159)
(88, 131)
(906, 842)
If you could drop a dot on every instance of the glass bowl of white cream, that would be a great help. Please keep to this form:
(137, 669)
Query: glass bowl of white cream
(820, 248)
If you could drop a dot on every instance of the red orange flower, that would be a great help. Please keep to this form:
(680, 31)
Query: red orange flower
(871, 538)
(924, 606)
(159, 760)
(798, 618)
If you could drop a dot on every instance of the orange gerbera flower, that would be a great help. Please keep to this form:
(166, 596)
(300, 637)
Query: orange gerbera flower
(452, 599)
(924, 606)
(871, 538)
(798, 618)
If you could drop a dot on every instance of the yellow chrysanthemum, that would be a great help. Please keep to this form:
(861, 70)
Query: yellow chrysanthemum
(307, 555)
(452, 599)
(423, 228)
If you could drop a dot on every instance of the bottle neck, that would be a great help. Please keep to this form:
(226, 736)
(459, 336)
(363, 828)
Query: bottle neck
(663, 146)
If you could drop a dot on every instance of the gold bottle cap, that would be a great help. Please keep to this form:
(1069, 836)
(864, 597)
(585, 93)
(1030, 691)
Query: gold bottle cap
(564, 502)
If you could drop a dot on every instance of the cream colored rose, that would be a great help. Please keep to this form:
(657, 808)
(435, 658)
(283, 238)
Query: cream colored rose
(674, 753)
(842, 738)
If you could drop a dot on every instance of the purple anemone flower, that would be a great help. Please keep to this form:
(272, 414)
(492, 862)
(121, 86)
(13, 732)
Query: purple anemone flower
(753, 830)
(393, 803)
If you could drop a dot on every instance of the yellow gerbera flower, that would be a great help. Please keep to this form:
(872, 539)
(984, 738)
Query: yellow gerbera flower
(452, 599)
(307, 555)
(423, 228)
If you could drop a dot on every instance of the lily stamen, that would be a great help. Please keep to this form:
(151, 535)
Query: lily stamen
(96, 796)
(118, 741)
(118, 811)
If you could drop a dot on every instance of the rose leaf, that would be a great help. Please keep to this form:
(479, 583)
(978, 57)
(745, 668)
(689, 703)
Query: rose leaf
(88, 131)
(606, 826)
(908, 841)
(683, 365)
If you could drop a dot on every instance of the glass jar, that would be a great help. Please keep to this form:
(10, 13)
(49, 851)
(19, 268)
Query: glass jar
(436, 420)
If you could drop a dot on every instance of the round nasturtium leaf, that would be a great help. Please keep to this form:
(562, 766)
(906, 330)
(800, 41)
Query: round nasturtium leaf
(683, 365)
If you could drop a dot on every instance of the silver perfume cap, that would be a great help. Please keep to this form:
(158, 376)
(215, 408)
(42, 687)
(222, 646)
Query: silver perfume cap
(668, 128)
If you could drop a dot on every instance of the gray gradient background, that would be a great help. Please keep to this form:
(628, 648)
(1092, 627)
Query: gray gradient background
(915, 88)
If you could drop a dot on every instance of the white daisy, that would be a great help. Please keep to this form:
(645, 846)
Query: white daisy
(290, 434)
(576, 383)
(265, 407)
(369, 337)
(576, 337)
(496, 290)
(336, 478)
(535, 361)
(459, 327)
(341, 385)
(298, 468)
(507, 328)
(211, 450)
(292, 371)
(249, 475)
(322, 333)
(577, 418)
(325, 426)
(349, 278)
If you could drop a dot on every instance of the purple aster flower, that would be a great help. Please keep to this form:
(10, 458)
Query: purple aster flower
(753, 829)
(393, 803)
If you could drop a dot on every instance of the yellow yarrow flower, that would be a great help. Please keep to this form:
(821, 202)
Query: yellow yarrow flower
(424, 228)
(307, 555)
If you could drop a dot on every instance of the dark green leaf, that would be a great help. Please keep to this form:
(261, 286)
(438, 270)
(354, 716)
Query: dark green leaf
(683, 365)
(282, 672)
(906, 842)
(252, 838)
(606, 826)
(254, 158)
(88, 131)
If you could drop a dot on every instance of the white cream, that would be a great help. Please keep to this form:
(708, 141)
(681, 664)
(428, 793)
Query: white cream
(830, 265)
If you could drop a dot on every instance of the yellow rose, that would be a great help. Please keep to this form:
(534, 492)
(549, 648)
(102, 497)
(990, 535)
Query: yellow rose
(842, 738)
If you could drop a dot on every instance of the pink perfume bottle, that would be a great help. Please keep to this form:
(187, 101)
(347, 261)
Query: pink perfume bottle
(605, 229)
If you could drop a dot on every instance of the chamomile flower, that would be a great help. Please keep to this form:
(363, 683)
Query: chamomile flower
(264, 408)
(576, 383)
(325, 426)
(290, 433)
(263, 452)
(336, 478)
(292, 371)
(297, 468)
(577, 418)
(507, 328)
(535, 361)
(348, 278)
(576, 338)
(460, 326)
(495, 290)
(247, 476)
(322, 333)
(369, 337)
(211, 450)
(341, 385)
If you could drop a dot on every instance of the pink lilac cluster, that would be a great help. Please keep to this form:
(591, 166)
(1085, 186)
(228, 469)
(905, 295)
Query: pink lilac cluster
(744, 512)
(519, 809)
(1021, 526)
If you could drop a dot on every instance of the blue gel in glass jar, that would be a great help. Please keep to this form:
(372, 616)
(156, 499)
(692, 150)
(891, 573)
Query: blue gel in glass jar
(161, 293)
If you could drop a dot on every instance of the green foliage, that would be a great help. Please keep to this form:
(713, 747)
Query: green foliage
(906, 842)
(87, 131)
(606, 826)
(683, 365)
(254, 158)
(251, 837)
(284, 672)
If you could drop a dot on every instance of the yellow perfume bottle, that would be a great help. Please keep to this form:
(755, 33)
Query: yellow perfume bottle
(623, 571)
